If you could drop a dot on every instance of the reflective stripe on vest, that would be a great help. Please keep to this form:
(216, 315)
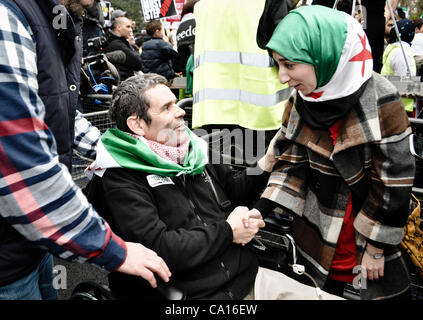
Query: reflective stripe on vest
(262, 100)
(248, 59)
(235, 82)
(388, 71)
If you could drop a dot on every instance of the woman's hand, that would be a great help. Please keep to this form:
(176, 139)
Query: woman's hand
(373, 262)
(244, 224)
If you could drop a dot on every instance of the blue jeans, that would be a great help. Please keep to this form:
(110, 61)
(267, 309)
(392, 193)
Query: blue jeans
(38, 285)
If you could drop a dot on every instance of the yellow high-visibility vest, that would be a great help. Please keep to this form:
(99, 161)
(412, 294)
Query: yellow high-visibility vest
(388, 71)
(234, 82)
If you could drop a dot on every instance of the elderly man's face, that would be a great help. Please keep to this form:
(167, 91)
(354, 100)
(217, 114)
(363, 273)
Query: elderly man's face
(167, 124)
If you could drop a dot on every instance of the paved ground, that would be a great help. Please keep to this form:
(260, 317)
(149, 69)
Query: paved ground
(74, 273)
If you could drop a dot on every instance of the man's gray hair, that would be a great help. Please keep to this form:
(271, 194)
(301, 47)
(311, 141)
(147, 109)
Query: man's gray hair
(129, 99)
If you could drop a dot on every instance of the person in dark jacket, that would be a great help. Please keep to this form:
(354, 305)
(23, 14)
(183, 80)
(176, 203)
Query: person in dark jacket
(118, 40)
(157, 55)
(153, 184)
(185, 37)
(92, 27)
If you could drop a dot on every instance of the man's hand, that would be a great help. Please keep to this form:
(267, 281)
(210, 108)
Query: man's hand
(143, 262)
(238, 219)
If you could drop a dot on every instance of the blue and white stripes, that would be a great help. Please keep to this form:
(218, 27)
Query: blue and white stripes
(37, 194)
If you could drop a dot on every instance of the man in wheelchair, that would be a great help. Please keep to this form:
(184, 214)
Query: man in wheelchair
(152, 182)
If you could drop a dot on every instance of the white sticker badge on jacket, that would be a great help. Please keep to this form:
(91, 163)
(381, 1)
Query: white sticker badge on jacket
(155, 180)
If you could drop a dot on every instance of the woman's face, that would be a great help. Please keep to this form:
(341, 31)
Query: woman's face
(300, 76)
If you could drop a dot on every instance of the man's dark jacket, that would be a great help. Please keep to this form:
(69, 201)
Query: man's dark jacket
(185, 38)
(180, 218)
(133, 59)
(59, 54)
(158, 56)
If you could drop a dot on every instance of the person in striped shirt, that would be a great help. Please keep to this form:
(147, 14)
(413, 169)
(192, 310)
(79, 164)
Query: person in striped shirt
(41, 209)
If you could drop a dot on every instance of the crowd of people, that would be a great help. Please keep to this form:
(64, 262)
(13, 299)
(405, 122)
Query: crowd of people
(150, 50)
(337, 156)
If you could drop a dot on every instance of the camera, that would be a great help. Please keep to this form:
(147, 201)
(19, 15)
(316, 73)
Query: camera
(95, 45)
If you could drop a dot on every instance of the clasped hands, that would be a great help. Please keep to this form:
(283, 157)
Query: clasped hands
(245, 224)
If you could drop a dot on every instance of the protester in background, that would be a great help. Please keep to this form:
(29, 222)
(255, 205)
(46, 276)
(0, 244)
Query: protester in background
(119, 40)
(389, 19)
(132, 42)
(134, 26)
(40, 206)
(389, 24)
(157, 55)
(417, 43)
(118, 13)
(185, 36)
(342, 164)
(140, 39)
(92, 26)
(397, 62)
(400, 13)
(394, 5)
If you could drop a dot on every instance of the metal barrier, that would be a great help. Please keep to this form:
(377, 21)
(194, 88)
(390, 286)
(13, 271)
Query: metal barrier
(95, 102)
(408, 87)
(186, 104)
(101, 120)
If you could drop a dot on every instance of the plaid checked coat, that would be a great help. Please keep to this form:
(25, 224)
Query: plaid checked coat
(371, 158)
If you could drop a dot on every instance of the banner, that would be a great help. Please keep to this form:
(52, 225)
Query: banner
(179, 6)
(157, 9)
(173, 22)
(105, 7)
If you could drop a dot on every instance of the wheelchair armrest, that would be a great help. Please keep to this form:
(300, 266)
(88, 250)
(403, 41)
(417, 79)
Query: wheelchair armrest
(278, 225)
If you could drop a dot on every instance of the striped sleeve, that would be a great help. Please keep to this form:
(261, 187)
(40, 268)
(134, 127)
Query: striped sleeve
(37, 194)
(86, 136)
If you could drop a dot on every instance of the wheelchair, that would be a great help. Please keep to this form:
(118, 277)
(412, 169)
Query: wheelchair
(91, 290)
(274, 248)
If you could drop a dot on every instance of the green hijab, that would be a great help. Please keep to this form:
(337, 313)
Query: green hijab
(312, 35)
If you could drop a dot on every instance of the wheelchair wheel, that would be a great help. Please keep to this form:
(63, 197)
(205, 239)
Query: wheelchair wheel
(90, 290)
